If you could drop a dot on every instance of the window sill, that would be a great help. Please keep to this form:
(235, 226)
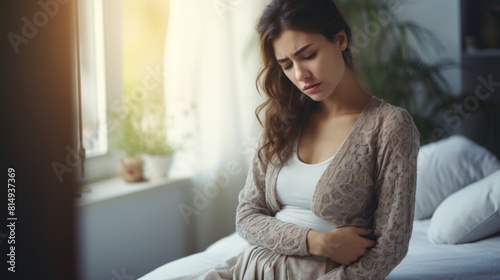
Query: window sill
(115, 188)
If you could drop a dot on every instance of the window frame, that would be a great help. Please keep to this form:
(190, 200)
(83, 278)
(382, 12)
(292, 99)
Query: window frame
(108, 75)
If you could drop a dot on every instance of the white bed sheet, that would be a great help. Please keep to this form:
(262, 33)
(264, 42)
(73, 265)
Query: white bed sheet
(479, 260)
(425, 260)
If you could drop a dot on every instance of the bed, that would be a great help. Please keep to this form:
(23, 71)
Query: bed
(425, 260)
(456, 232)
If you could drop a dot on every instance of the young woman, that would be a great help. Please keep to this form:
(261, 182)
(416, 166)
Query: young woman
(330, 193)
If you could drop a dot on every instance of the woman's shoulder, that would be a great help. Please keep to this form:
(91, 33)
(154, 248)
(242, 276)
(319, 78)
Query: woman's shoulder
(385, 113)
(384, 110)
(389, 118)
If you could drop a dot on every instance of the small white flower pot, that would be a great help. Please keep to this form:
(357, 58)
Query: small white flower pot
(156, 166)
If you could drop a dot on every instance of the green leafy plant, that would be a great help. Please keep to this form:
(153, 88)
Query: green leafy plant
(124, 133)
(390, 64)
(153, 132)
(136, 131)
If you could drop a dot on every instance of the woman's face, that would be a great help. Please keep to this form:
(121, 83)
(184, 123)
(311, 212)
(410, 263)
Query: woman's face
(314, 64)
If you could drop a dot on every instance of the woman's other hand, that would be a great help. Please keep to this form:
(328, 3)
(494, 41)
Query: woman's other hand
(343, 245)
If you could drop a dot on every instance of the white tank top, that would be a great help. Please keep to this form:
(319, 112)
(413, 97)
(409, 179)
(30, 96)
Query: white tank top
(294, 189)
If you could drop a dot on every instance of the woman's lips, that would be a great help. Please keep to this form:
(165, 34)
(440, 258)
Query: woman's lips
(312, 88)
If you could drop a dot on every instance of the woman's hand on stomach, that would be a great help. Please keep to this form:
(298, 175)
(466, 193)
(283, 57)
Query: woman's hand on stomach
(343, 245)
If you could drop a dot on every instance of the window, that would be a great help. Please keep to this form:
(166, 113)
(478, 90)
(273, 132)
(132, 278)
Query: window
(92, 78)
(121, 45)
(100, 82)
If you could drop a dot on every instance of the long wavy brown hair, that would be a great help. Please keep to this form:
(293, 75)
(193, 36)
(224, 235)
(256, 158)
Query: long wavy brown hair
(286, 106)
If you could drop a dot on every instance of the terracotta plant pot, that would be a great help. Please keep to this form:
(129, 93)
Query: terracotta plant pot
(131, 169)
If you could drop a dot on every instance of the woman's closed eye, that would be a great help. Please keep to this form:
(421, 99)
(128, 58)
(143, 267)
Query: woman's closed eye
(288, 66)
(308, 57)
(311, 56)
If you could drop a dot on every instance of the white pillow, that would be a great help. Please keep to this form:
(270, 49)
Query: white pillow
(445, 167)
(470, 214)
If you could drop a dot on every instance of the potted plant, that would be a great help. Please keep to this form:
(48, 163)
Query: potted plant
(392, 67)
(125, 136)
(141, 134)
(156, 151)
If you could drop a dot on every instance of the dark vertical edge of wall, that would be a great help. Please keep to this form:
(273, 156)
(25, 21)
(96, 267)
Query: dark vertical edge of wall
(37, 119)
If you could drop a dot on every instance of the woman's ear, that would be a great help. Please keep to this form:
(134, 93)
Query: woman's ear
(341, 38)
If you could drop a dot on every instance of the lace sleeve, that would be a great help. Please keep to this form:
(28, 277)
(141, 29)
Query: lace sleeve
(255, 221)
(393, 218)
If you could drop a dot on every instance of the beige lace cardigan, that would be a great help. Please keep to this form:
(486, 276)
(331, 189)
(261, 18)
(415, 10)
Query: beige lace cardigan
(370, 183)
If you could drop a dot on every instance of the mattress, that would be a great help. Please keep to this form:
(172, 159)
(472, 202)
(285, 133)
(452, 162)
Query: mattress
(425, 260)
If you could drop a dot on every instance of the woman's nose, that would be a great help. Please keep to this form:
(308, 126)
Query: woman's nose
(302, 73)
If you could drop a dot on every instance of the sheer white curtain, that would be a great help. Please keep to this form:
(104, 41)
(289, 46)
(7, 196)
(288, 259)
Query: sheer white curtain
(211, 62)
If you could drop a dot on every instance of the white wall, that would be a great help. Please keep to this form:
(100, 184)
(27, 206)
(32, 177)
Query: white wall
(443, 18)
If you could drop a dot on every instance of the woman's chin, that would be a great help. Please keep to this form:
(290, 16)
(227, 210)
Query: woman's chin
(316, 96)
